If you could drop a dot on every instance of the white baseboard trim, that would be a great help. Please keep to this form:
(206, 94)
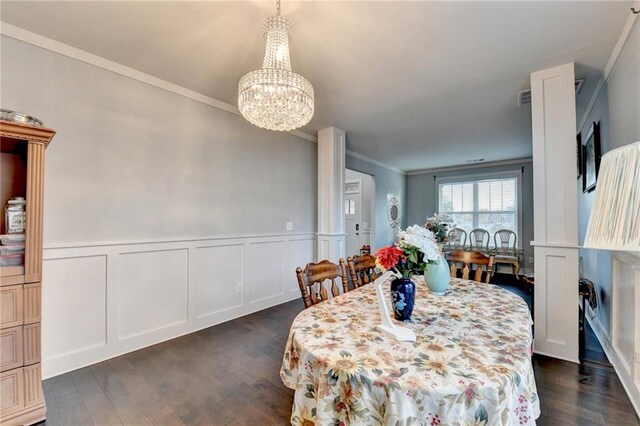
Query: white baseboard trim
(616, 362)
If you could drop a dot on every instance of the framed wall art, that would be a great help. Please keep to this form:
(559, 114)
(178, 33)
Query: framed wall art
(591, 158)
(393, 210)
(579, 154)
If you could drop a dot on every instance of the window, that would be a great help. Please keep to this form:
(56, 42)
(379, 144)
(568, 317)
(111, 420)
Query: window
(350, 206)
(485, 202)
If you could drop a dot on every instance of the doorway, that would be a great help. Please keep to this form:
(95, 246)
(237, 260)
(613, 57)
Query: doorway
(359, 204)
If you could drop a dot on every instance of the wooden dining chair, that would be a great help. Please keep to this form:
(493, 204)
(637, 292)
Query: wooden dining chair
(362, 269)
(314, 278)
(479, 240)
(506, 252)
(467, 259)
(456, 239)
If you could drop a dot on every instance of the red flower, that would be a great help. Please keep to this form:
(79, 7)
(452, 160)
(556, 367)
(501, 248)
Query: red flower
(388, 257)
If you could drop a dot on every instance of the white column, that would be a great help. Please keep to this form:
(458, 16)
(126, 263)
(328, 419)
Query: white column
(555, 201)
(331, 157)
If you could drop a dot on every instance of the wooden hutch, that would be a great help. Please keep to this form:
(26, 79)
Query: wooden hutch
(22, 150)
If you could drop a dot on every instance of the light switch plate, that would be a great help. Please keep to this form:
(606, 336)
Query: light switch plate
(239, 288)
(289, 226)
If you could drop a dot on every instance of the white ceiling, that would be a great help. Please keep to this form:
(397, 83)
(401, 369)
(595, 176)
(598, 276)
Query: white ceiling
(415, 84)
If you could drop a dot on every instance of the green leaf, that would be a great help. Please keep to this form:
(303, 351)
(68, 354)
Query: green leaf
(481, 415)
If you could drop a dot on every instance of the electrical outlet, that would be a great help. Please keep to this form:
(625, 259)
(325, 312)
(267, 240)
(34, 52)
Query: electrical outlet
(238, 288)
(530, 259)
(289, 226)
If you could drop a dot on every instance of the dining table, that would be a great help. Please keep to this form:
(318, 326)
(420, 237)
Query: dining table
(469, 365)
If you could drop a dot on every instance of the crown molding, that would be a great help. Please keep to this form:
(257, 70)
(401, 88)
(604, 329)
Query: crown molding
(46, 43)
(372, 161)
(626, 30)
(471, 166)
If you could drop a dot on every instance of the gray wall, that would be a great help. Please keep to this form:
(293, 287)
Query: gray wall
(135, 162)
(422, 191)
(386, 181)
(618, 111)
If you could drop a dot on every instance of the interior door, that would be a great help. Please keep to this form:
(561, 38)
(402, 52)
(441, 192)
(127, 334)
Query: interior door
(353, 222)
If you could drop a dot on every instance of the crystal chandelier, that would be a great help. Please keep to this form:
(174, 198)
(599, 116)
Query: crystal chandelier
(274, 97)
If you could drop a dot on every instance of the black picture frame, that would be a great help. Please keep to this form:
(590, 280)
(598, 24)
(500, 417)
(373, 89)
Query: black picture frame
(591, 158)
(579, 154)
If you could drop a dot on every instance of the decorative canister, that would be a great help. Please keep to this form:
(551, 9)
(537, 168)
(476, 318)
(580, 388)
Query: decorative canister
(437, 275)
(15, 217)
(403, 294)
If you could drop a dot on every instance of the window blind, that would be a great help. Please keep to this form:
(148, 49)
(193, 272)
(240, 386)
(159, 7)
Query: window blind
(491, 204)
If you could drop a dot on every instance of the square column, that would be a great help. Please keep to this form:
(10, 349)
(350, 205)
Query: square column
(331, 159)
(555, 201)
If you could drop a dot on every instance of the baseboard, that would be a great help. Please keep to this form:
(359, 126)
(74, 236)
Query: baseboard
(627, 381)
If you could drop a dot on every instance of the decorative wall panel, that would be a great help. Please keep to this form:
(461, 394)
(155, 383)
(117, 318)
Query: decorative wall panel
(74, 312)
(130, 295)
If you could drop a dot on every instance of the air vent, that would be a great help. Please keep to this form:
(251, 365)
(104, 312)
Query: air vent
(477, 160)
(524, 96)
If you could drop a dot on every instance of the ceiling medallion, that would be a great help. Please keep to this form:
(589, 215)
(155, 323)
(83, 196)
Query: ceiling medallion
(273, 97)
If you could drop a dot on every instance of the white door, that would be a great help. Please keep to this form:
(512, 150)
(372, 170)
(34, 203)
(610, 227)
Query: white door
(353, 220)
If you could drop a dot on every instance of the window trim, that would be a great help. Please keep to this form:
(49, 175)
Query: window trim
(514, 173)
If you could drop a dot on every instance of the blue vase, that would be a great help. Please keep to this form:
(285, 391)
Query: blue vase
(436, 276)
(403, 295)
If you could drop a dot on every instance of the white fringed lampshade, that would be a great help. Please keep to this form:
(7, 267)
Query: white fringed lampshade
(615, 219)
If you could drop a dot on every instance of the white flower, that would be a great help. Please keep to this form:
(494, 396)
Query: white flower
(441, 218)
(422, 238)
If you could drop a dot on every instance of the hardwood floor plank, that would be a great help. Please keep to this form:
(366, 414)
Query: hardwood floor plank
(127, 410)
(86, 382)
(109, 380)
(72, 410)
(62, 385)
(169, 420)
(53, 416)
(100, 409)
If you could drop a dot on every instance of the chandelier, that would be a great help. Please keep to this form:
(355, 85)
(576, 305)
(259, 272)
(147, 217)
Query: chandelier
(274, 97)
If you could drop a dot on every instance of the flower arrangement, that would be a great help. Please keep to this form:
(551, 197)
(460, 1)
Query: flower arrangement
(416, 247)
(440, 224)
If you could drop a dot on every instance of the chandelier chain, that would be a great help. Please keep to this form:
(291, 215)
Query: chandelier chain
(278, 7)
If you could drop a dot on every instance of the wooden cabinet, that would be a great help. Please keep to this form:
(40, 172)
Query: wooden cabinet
(22, 150)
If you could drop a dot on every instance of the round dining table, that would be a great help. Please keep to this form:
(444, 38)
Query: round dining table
(470, 363)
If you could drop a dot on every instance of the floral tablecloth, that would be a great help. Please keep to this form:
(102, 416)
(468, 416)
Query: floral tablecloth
(470, 365)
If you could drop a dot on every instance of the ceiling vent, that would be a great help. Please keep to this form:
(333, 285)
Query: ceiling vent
(524, 96)
(476, 160)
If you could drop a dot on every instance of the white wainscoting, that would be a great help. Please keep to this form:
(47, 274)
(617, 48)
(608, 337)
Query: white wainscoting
(555, 302)
(106, 299)
(622, 346)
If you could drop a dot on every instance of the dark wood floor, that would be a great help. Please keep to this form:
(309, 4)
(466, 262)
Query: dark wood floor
(229, 375)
